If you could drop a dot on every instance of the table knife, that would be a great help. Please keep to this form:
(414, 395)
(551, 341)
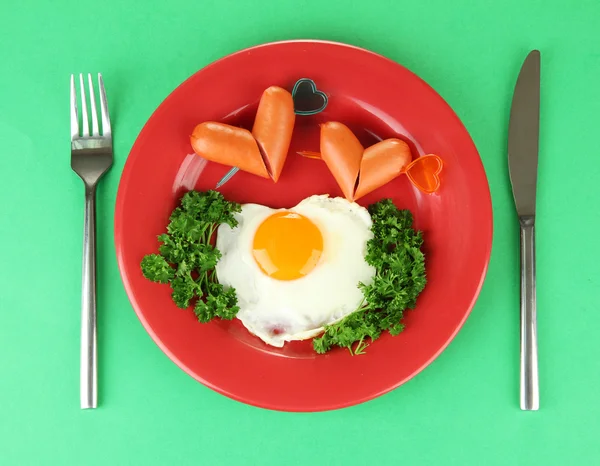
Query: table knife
(523, 136)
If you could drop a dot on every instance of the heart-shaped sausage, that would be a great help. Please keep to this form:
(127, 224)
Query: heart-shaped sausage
(359, 171)
(308, 100)
(424, 171)
(262, 152)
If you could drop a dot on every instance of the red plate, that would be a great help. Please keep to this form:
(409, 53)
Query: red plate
(377, 98)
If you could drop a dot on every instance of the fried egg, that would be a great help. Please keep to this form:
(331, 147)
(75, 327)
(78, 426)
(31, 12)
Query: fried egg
(296, 270)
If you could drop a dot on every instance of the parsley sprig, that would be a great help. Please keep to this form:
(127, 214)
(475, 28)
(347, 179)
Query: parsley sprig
(187, 258)
(395, 252)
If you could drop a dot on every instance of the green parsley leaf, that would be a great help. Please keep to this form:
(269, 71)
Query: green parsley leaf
(157, 269)
(187, 258)
(184, 290)
(395, 252)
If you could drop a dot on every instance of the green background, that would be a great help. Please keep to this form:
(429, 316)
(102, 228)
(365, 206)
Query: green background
(463, 409)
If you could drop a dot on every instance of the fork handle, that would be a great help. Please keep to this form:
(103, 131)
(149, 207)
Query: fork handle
(88, 362)
(530, 398)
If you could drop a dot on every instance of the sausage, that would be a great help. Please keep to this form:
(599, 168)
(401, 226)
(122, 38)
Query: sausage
(381, 163)
(273, 128)
(342, 152)
(229, 145)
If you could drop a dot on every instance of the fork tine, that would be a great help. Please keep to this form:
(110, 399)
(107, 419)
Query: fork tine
(104, 108)
(74, 120)
(85, 132)
(95, 131)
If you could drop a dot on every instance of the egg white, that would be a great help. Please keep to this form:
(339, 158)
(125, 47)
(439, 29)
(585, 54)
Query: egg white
(298, 309)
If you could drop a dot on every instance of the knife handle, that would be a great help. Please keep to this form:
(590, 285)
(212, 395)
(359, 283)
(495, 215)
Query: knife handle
(530, 396)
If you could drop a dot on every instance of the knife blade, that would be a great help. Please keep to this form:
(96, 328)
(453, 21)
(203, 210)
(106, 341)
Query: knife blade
(523, 131)
(523, 145)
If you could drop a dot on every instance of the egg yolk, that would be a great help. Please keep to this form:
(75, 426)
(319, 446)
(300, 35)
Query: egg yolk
(287, 246)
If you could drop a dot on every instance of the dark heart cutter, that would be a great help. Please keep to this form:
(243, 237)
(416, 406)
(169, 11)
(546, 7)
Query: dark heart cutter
(308, 100)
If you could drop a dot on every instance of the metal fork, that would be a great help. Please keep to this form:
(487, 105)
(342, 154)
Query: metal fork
(91, 157)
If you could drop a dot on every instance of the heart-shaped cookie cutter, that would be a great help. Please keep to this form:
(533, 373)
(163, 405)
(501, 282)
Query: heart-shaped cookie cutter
(424, 171)
(304, 93)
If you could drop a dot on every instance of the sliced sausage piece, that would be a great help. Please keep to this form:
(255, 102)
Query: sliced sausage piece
(342, 152)
(228, 145)
(381, 163)
(273, 128)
